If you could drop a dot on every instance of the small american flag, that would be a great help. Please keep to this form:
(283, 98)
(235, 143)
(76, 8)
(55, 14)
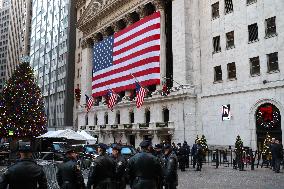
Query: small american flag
(89, 103)
(140, 94)
(111, 99)
(133, 50)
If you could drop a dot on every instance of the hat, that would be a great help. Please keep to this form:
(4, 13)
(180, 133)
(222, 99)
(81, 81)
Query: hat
(116, 147)
(167, 146)
(145, 143)
(158, 146)
(102, 146)
(25, 147)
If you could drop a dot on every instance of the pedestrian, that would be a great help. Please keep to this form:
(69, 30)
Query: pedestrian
(102, 173)
(278, 155)
(181, 152)
(25, 173)
(170, 168)
(187, 152)
(120, 167)
(144, 169)
(193, 152)
(69, 174)
(199, 155)
(271, 148)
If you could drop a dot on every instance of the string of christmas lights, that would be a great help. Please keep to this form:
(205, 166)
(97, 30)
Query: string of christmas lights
(22, 106)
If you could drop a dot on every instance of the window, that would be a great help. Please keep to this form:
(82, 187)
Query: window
(96, 120)
(229, 6)
(253, 32)
(131, 117)
(231, 68)
(270, 27)
(118, 117)
(147, 116)
(251, 2)
(230, 40)
(272, 61)
(217, 73)
(106, 118)
(216, 44)
(166, 115)
(215, 10)
(254, 66)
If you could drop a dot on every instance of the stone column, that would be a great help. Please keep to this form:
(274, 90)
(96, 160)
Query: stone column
(87, 67)
(160, 6)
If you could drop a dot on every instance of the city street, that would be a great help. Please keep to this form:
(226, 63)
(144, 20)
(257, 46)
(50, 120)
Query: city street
(226, 177)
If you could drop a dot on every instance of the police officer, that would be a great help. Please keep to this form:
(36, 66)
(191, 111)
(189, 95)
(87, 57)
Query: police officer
(159, 154)
(170, 168)
(144, 169)
(181, 153)
(69, 174)
(102, 173)
(187, 152)
(120, 167)
(25, 173)
(199, 155)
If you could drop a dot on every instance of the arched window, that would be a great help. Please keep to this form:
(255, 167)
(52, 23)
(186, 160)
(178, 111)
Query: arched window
(166, 115)
(131, 117)
(117, 117)
(147, 116)
(86, 119)
(96, 120)
(106, 118)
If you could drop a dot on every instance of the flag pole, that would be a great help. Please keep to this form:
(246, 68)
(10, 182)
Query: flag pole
(138, 81)
(173, 81)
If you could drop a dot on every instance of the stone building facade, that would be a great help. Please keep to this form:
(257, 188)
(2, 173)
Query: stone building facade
(220, 53)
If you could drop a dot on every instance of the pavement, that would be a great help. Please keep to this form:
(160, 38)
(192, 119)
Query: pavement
(227, 177)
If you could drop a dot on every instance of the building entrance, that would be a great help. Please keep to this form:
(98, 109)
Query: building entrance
(268, 120)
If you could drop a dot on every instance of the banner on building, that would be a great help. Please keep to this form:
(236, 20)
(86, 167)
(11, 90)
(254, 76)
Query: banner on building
(226, 112)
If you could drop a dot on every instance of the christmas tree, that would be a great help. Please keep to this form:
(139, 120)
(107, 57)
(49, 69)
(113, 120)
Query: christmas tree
(196, 139)
(203, 143)
(239, 144)
(21, 106)
(266, 144)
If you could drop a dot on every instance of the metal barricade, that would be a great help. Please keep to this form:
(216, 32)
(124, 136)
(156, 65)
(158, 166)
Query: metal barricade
(50, 170)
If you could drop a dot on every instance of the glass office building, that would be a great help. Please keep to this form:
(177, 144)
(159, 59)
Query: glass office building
(52, 57)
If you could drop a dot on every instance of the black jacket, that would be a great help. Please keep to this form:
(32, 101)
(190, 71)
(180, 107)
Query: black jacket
(144, 171)
(170, 169)
(24, 174)
(69, 175)
(102, 174)
(120, 171)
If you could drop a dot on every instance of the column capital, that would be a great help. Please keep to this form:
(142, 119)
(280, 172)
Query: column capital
(141, 11)
(159, 4)
(86, 43)
(128, 19)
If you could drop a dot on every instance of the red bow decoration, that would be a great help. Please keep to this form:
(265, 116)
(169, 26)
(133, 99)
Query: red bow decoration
(267, 113)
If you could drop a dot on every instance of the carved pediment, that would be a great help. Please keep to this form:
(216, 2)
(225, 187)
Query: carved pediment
(100, 13)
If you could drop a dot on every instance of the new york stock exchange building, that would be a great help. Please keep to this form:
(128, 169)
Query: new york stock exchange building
(210, 68)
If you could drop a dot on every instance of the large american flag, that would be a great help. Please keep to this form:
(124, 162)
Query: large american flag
(140, 94)
(133, 50)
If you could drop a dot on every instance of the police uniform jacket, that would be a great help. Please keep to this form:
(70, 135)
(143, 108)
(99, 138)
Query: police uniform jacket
(120, 171)
(170, 169)
(69, 175)
(144, 171)
(24, 174)
(102, 174)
